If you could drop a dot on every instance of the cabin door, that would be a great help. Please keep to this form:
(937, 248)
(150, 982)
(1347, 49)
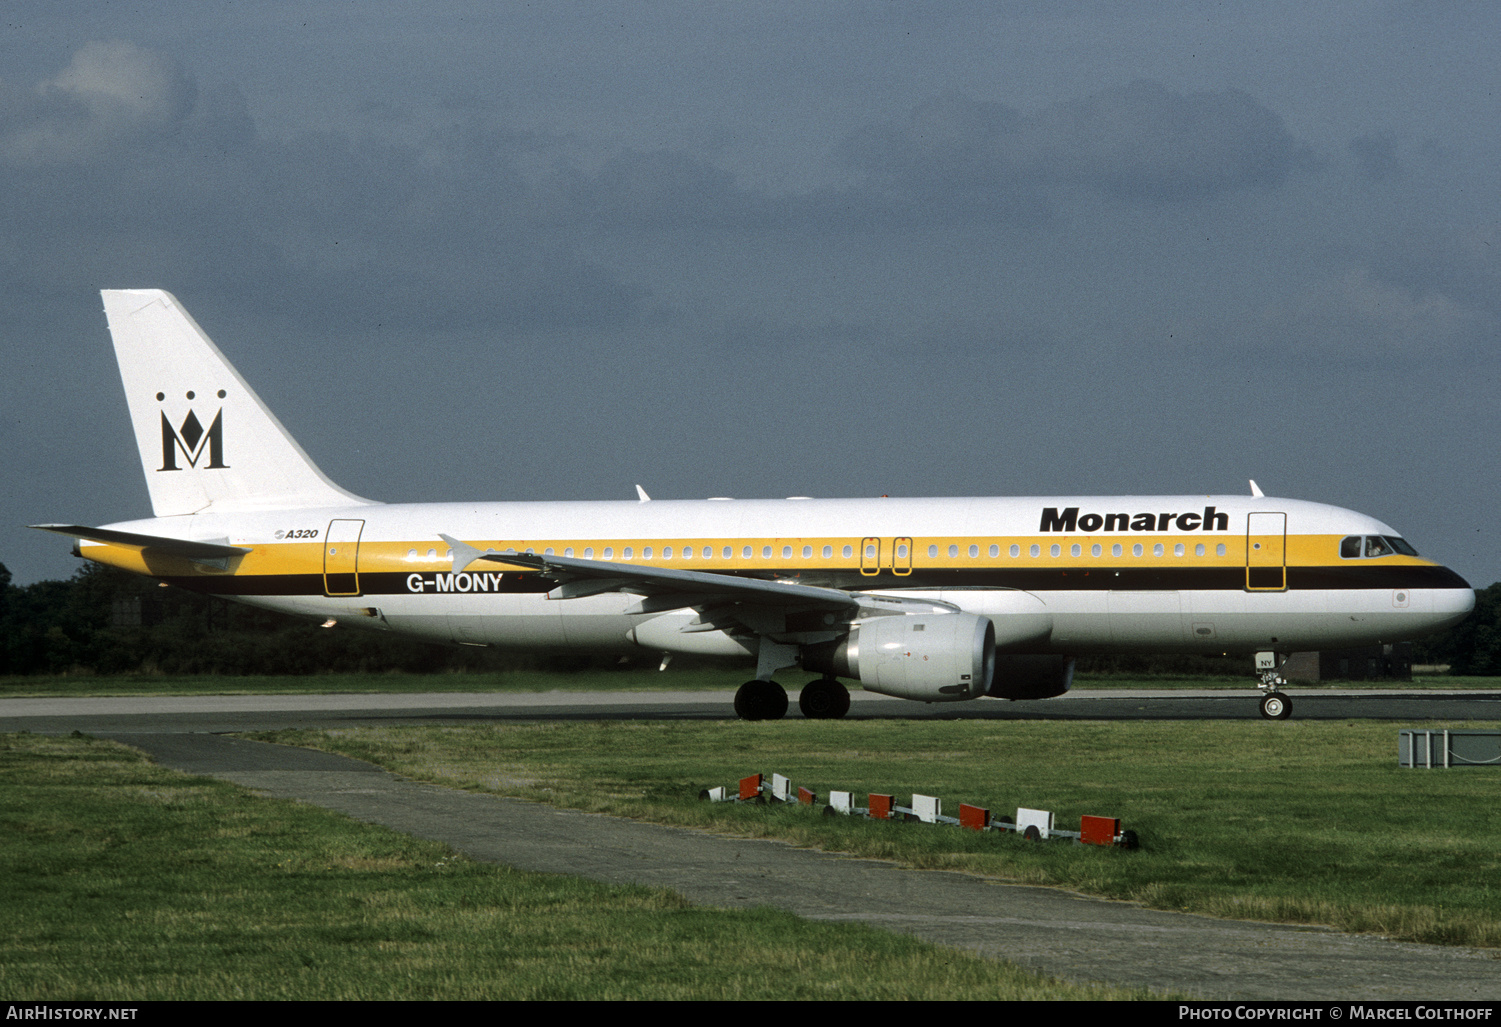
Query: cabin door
(1266, 552)
(341, 554)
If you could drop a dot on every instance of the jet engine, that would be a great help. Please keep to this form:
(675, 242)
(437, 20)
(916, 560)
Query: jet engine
(939, 657)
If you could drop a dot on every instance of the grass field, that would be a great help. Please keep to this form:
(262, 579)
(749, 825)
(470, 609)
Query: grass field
(1302, 821)
(125, 881)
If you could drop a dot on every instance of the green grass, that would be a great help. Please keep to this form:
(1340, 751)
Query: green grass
(124, 881)
(1305, 821)
(626, 679)
(1439, 682)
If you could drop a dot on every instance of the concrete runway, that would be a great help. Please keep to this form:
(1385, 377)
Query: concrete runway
(1055, 932)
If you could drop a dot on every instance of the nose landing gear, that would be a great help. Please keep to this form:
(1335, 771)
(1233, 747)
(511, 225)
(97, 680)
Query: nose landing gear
(1275, 705)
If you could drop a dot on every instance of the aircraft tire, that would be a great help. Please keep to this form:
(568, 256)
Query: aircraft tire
(761, 700)
(824, 699)
(1276, 706)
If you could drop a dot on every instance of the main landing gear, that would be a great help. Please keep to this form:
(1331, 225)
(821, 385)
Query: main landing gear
(761, 700)
(1275, 705)
(824, 699)
(821, 699)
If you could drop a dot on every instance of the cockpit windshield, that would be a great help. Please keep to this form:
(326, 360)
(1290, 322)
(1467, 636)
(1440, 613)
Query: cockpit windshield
(1356, 547)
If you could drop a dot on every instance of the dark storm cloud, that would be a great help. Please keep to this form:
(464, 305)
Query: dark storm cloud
(1376, 153)
(119, 166)
(1140, 142)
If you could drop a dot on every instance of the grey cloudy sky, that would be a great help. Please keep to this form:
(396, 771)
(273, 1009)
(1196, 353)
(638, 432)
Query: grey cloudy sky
(493, 251)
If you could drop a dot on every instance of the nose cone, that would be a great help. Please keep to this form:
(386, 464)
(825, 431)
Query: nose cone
(1448, 606)
(1453, 605)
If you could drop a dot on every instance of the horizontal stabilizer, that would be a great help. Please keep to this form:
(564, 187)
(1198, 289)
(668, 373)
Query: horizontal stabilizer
(158, 543)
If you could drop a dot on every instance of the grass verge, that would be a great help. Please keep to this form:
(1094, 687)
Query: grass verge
(624, 680)
(1304, 821)
(125, 881)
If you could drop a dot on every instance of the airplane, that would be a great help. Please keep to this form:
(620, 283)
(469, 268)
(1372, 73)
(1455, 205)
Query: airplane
(933, 600)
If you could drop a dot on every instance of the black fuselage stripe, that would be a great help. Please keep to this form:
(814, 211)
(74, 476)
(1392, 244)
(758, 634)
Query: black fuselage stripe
(1335, 578)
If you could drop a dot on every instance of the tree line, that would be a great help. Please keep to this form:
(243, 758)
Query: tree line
(107, 621)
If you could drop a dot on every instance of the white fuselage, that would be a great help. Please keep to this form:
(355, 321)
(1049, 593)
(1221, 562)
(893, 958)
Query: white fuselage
(1154, 574)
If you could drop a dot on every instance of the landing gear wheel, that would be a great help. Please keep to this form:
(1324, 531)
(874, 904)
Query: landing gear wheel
(1276, 706)
(761, 700)
(824, 699)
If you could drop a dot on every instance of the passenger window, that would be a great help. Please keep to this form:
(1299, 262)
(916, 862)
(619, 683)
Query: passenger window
(588, 552)
(411, 554)
(1036, 550)
(1219, 550)
(786, 552)
(766, 552)
(807, 552)
(995, 550)
(1178, 549)
(1016, 550)
(1136, 549)
(953, 550)
(932, 551)
(974, 551)
(1095, 550)
(1157, 549)
(609, 552)
(847, 552)
(547, 551)
(646, 553)
(627, 554)
(870, 552)
(1074, 550)
(828, 551)
(568, 552)
(1115, 550)
(1199, 549)
(746, 553)
(1054, 549)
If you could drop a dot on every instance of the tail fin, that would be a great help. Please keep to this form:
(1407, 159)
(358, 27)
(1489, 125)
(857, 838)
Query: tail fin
(207, 442)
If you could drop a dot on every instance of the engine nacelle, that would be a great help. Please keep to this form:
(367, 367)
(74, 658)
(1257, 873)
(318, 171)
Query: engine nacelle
(937, 657)
(1031, 677)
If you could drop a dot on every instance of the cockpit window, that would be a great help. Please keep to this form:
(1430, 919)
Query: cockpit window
(1369, 547)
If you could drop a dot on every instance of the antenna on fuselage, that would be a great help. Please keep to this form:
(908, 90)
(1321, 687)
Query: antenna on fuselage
(1255, 488)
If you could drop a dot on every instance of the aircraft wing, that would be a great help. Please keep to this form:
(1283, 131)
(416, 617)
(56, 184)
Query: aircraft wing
(663, 588)
(782, 610)
(157, 543)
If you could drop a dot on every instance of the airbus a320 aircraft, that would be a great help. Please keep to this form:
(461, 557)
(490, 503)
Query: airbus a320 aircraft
(936, 600)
